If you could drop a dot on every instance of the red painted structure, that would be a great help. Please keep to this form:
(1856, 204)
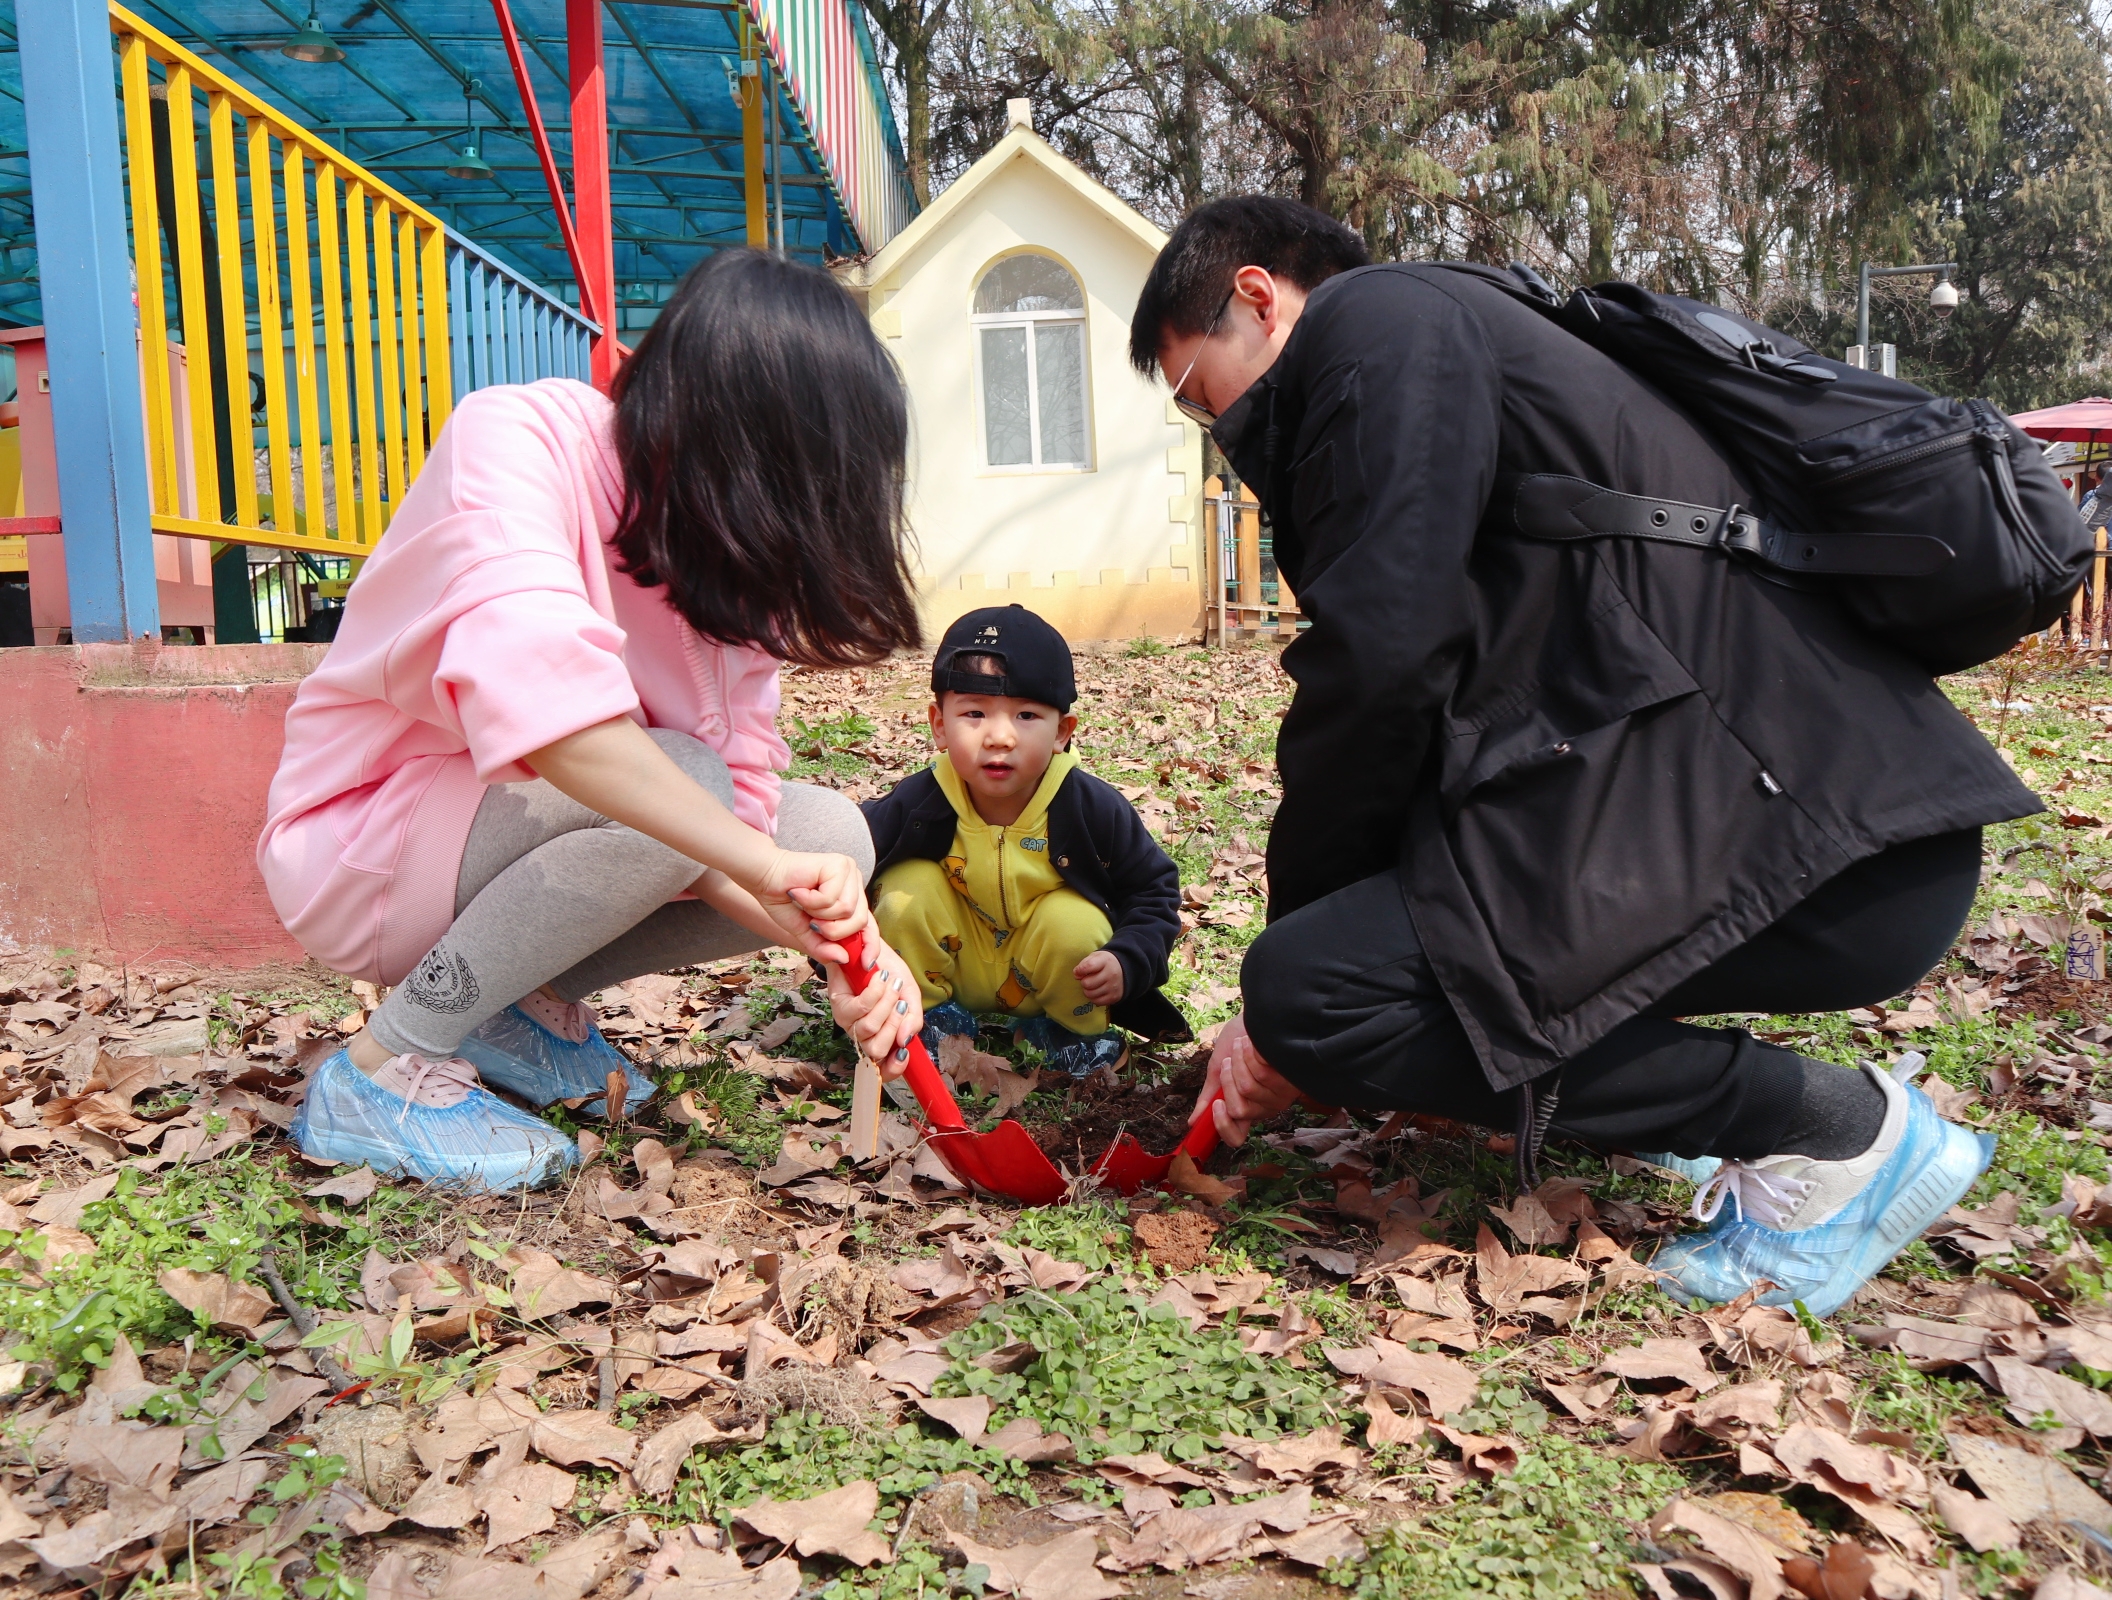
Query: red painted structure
(590, 174)
(132, 785)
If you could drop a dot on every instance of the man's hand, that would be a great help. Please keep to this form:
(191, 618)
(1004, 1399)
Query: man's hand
(1100, 976)
(881, 1015)
(1254, 1091)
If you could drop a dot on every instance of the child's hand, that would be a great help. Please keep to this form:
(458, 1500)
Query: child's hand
(1254, 1091)
(814, 900)
(880, 1014)
(1100, 976)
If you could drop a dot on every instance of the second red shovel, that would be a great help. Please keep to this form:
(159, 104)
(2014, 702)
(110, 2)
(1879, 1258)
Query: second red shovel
(1006, 1160)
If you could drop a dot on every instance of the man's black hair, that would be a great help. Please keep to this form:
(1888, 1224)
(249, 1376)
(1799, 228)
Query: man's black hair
(1193, 274)
(763, 431)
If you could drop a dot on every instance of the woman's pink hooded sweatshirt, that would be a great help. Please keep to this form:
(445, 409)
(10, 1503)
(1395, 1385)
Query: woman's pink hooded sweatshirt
(491, 620)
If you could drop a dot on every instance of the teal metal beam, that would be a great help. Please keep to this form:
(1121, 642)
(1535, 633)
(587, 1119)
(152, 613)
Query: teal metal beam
(85, 262)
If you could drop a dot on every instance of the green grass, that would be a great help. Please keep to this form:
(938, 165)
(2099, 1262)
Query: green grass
(1119, 1376)
(217, 1218)
(1562, 1527)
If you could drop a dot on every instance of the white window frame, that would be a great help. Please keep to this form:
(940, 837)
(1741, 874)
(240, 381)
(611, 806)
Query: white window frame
(977, 322)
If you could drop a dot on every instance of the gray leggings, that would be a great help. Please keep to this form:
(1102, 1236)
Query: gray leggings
(551, 892)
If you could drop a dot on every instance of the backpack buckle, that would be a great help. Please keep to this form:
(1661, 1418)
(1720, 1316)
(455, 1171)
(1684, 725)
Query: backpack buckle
(1743, 533)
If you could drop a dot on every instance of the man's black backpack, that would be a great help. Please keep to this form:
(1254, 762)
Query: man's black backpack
(1935, 522)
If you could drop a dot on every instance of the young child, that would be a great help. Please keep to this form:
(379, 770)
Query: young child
(1008, 877)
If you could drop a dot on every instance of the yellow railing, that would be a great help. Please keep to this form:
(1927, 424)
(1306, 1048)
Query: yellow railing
(330, 291)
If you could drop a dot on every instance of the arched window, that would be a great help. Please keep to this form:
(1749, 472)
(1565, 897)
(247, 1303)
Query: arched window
(1030, 359)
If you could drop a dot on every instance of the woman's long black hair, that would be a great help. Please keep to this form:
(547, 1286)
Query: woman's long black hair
(763, 431)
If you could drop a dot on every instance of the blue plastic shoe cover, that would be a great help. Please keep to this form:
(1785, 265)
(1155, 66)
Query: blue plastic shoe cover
(480, 1144)
(1078, 1054)
(516, 1053)
(947, 1017)
(1930, 1169)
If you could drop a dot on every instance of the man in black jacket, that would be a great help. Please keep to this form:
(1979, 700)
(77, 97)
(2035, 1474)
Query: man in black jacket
(1541, 799)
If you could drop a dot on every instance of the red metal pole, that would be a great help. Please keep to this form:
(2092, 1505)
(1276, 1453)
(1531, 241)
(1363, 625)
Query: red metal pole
(590, 173)
(536, 131)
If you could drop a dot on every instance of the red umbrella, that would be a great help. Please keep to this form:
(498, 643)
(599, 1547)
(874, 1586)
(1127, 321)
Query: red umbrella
(2082, 421)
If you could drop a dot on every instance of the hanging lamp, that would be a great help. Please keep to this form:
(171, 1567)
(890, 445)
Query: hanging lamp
(310, 43)
(469, 164)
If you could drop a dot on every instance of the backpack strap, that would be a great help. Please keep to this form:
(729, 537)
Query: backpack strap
(1547, 505)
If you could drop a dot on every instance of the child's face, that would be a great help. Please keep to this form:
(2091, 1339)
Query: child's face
(1000, 746)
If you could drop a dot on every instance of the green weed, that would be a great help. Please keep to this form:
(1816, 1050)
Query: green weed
(1108, 1361)
(1559, 1528)
(210, 1219)
(834, 733)
(1095, 1234)
(801, 1456)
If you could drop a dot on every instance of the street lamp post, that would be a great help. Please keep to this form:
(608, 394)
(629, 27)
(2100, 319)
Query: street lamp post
(1943, 299)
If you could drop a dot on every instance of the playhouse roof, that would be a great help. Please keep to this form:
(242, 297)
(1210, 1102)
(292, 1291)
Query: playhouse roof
(1021, 143)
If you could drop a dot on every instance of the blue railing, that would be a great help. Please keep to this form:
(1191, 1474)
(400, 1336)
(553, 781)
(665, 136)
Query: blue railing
(505, 329)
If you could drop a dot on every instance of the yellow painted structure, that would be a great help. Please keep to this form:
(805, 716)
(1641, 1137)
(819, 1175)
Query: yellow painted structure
(14, 550)
(346, 279)
(1107, 547)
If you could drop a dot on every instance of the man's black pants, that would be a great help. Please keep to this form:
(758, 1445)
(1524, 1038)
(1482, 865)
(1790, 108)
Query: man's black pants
(1341, 999)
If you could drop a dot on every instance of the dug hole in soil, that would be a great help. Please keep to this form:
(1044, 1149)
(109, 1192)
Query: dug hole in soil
(1097, 1114)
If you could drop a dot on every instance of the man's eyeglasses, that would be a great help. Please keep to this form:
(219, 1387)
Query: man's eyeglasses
(1194, 410)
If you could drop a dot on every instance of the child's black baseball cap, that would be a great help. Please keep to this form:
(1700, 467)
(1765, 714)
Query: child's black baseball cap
(1036, 659)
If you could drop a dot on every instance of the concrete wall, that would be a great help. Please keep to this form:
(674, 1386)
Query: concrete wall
(132, 787)
(1108, 552)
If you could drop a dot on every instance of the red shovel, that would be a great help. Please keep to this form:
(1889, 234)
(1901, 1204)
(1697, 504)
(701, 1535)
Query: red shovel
(1006, 1160)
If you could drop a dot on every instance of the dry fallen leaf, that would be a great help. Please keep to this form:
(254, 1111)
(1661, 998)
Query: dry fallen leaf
(967, 1417)
(660, 1458)
(2033, 1392)
(543, 1286)
(354, 1188)
(1504, 1280)
(1530, 1222)
(1184, 1177)
(1731, 1543)
(1678, 1359)
(832, 1524)
(1023, 1440)
(1844, 1575)
(230, 1307)
(128, 1455)
(1445, 1385)
(521, 1501)
(2065, 1583)
(2027, 1487)
(1183, 1538)
(1584, 1401)
(1384, 1425)
(1980, 1523)
(575, 1438)
(1061, 1569)
(992, 1075)
(1485, 1455)
(1875, 1483)
(1294, 1460)
(1732, 1414)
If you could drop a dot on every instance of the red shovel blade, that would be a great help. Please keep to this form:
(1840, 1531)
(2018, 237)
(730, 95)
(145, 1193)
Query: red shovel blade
(1005, 1160)
(1128, 1166)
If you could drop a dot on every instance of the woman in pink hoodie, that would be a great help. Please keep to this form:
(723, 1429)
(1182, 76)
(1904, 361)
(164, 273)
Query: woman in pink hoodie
(541, 756)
